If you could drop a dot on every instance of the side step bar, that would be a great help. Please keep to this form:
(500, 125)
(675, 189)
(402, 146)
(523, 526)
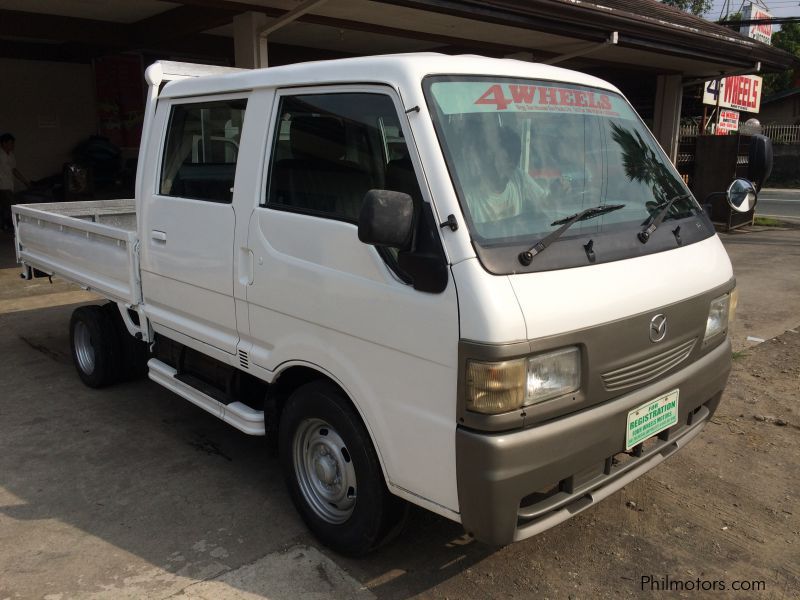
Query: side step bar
(239, 415)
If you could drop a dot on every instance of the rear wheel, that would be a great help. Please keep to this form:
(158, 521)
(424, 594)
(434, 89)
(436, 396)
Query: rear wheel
(332, 472)
(96, 351)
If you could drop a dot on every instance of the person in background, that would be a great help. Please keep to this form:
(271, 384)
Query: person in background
(8, 171)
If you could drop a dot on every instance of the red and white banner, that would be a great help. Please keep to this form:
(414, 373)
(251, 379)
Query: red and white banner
(740, 92)
(761, 32)
(460, 97)
(728, 121)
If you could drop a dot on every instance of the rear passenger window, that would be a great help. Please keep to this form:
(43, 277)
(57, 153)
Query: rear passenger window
(201, 150)
(330, 149)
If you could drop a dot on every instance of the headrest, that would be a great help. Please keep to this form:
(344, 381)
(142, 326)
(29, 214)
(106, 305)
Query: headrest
(321, 138)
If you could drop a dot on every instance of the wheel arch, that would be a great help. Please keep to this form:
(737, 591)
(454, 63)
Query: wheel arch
(290, 376)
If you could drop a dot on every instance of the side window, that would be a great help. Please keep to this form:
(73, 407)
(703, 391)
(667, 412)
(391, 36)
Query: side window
(201, 150)
(330, 149)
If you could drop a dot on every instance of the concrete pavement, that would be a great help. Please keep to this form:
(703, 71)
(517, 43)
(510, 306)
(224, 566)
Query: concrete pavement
(780, 203)
(131, 492)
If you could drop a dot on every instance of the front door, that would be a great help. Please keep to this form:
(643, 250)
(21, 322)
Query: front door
(319, 296)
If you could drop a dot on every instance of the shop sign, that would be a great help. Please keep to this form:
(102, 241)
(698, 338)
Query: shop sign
(740, 92)
(761, 32)
(728, 121)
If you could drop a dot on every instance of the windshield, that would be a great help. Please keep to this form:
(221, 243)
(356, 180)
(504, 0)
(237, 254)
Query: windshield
(524, 154)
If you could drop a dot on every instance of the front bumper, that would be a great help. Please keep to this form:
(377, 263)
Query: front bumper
(514, 485)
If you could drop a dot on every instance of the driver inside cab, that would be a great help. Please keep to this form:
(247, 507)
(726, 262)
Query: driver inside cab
(497, 188)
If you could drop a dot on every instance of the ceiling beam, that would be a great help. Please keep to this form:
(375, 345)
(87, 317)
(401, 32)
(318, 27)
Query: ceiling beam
(69, 53)
(79, 40)
(37, 26)
(198, 46)
(236, 7)
(178, 22)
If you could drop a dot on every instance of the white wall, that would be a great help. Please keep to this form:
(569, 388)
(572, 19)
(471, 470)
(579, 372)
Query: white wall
(49, 107)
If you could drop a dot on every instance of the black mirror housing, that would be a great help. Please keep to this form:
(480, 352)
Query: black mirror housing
(387, 219)
(759, 160)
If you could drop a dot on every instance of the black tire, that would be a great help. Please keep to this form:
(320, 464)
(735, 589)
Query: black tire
(134, 353)
(96, 350)
(376, 515)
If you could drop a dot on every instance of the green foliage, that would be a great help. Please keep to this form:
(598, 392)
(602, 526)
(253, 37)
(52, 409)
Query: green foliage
(696, 7)
(777, 82)
(788, 39)
(732, 18)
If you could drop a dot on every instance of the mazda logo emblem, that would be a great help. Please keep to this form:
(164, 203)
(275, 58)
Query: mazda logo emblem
(658, 328)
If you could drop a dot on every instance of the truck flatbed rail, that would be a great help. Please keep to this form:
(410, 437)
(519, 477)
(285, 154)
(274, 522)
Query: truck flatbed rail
(91, 243)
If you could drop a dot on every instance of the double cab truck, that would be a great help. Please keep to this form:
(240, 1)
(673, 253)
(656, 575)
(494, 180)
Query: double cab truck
(474, 285)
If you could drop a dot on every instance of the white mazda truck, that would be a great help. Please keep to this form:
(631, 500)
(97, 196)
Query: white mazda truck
(474, 285)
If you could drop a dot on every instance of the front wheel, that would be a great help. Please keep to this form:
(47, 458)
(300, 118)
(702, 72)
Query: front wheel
(332, 472)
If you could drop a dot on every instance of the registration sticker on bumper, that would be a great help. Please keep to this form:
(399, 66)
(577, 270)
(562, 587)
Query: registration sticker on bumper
(651, 418)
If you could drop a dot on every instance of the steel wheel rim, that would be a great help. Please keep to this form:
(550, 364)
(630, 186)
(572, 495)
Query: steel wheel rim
(84, 350)
(324, 471)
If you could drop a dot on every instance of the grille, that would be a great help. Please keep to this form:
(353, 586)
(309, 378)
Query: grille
(244, 361)
(647, 369)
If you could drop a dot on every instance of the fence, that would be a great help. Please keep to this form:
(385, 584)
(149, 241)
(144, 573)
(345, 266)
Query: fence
(782, 134)
(779, 134)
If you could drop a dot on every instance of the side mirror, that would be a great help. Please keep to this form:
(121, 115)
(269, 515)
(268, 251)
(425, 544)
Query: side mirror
(741, 195)
(759, 160)
(387, 219)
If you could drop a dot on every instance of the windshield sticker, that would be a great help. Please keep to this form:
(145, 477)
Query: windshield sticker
(477, 97)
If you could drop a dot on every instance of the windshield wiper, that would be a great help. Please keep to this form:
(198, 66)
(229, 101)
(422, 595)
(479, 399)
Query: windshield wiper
(654, 221)
(525, 258)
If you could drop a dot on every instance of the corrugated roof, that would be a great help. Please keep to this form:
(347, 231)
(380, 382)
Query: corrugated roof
(662, 14)
(642, 24)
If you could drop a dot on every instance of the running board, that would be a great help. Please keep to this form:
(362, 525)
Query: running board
(237, 414)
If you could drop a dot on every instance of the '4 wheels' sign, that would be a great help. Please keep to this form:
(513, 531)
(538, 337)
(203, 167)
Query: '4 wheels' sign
(740, 92)
(758, 31)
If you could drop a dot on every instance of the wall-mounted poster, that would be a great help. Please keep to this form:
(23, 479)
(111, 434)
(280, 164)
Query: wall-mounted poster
(120, 98)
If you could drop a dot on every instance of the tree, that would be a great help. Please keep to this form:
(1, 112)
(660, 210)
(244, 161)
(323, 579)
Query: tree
(696, 7)
(788, 39)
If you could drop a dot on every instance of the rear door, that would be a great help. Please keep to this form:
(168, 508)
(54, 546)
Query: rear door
(188, 221)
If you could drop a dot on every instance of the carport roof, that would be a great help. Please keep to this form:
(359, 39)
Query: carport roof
(652, 37)
(644, 24)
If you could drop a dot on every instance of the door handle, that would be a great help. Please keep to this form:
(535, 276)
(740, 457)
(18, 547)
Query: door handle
(158, 236)
(246, 267)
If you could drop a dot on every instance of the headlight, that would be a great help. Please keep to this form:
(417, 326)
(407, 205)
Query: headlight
(717, 320)
(499, 387)
(494, 388)
(553, 374)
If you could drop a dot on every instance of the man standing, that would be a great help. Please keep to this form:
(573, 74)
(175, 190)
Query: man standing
(8, 171)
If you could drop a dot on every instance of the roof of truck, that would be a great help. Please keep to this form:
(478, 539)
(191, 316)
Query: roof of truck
(403, 71)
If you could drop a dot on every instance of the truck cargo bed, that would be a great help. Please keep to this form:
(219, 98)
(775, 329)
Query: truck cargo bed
(91, 243)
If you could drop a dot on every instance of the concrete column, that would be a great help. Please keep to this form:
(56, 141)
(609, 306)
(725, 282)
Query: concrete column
(250, 49)
(667, 114)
